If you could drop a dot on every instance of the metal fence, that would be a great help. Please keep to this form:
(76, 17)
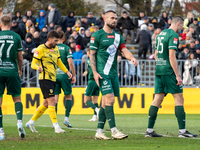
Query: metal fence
(129, 76)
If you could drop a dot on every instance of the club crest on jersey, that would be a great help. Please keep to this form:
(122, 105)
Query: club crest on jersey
(51, 50)
(111, 36)
(70, 51)
(92, 39)
(36, 53)
(175, 41)
(112, 49)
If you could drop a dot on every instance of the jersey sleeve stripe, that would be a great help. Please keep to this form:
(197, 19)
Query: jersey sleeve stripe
(70, 56)
(93, 47)
(173, 46)
(36, 58)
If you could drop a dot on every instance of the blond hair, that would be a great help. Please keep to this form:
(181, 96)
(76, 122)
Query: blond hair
(6, 20)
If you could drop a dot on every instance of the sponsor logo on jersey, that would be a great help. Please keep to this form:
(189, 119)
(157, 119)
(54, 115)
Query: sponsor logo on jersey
(92, 39)
(51, 50)
(36, 53)
(70, 51)
(111, 36)
(112, 50)
(175, 41)
(105, 82)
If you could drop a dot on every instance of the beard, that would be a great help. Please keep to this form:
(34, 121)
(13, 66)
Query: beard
(52, 45)
(112, 26)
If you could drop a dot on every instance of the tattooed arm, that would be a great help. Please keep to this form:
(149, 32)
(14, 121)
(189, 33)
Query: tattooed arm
(94, 67)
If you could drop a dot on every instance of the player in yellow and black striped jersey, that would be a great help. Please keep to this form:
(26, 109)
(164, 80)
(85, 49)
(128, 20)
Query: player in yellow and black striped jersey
(48, 57)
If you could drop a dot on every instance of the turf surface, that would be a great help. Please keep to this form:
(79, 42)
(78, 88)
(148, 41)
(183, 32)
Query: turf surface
(81, 136)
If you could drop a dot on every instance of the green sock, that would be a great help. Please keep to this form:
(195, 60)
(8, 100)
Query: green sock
(90, 104)
(102, 118)
(1, 118)
(110, 116)
(152, 116)
(19, 110)
(180, 115)
(68, 106)
(96, 104)
(56, 109)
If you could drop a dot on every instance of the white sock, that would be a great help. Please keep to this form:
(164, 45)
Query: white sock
(31, 122)
(97, 110)
(149, 130)
(19, 121)
(99, 130)
(67, 119)
(113, 130)
(56, 125)
(1, 130)
(182, 130)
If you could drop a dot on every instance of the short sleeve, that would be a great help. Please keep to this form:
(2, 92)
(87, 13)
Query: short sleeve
(69, 52)
(58, 52)
(94, 42)
(19, 48)
(173, 42)
(122, 43)
(156, 46)
(38, 53)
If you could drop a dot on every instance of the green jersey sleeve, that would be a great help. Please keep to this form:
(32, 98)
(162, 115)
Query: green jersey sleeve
(173, 42)
(156, 43)
(69, 52)
(122, 43)
(94, 43)
(19, 49)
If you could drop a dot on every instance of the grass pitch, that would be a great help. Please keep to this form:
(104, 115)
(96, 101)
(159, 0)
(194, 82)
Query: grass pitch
(81, 136)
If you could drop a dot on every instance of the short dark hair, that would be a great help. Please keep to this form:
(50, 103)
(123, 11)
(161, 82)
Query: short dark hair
(52, 34)
(108, 11)
(61, 34)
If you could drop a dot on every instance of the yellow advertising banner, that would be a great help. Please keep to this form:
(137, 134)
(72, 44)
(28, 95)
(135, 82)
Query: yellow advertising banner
(131, 101)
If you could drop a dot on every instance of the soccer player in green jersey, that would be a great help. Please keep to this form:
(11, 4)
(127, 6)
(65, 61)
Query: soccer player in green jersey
(92, 90)
(104, 47)
(167, 79)
(11, 61)
(62, 79)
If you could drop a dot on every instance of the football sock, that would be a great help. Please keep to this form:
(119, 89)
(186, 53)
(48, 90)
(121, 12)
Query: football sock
(56, 125)
(102, 118)
(68, 106)
(67, 119)
(56, 108)
(39, 111)
(1, 118)
(96, 104)
(19, 110)
(52, 114)
(113, 130)
(152, 116)
(90, 104)
(180, 115)
(99, 130)
(110, 116)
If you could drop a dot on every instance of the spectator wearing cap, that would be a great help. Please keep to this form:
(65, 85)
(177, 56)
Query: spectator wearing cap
(100, 21)
(195, 24)
(22, 23)
(95, 29)
(163, 20)
(154, 21)
(15, 28)
(140, 20)
(28, 15)
(84, 23)
(17, 16)
(146, 20)
(43, 35)
(151, 29)
(40, 21)
(91, 19)
(126, 26)
(192, 47)
(69, 21)
(53, 15)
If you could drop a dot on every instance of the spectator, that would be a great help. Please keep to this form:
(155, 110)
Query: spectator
(197, 54)
(180, 49)
(57, 28)
(168, 24)
(197, 43)
(126, 25)
(84, 23)
(86, 39)
(40, 21)
(69, 21)
(31, 32)
(68, 41)
(77, 25)
(51, 27)
(77, 38)
(139, 20)
(15, 28)
(72, 46)
(192, 47)
(22, 24)
(188, 20)
(28, 15)
(43, 35)
(27, 27)
(28, 45)
(96, 28)
(184, 33)
(82, 32)
(121, 70)
(189, 35)
(198, 30)
(195, 24)
(53, 15)
(146, 20)
(91, 19)
(77, 56)
(144, 39)
(68, 33)
(153, 38)
(181, 41)
(17, 16)
(154, 21)
(36, 38)
(163, 20)
(100, 21)
(184, 54)
(151, 29)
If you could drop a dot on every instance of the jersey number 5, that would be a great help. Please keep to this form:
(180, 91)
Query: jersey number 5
(160, 44)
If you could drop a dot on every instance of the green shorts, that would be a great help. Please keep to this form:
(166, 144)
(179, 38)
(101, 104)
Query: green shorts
(13, 84)
(91, 89)
(63, 82)
(109, 84)
(167, 84)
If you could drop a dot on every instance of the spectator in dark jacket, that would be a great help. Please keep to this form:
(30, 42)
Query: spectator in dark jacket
(51, 27)
(84, 23)
(69, 21)
(28, 15)
(36, 38)
(86, 39)
(43, 35)
(15, 28)
(68, 33)
(163, 20)
(100, 21)
(22, 23)
(139, 20)
(78, 39)
(144, 39)
(17, 16)
(90, 19)
(53, 16)
(40, 21)
(126, 25)
(154, 21)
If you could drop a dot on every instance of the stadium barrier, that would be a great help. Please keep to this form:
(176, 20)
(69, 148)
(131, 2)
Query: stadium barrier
(131, 101)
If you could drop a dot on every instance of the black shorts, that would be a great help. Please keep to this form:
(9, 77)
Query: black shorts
(47, 87)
